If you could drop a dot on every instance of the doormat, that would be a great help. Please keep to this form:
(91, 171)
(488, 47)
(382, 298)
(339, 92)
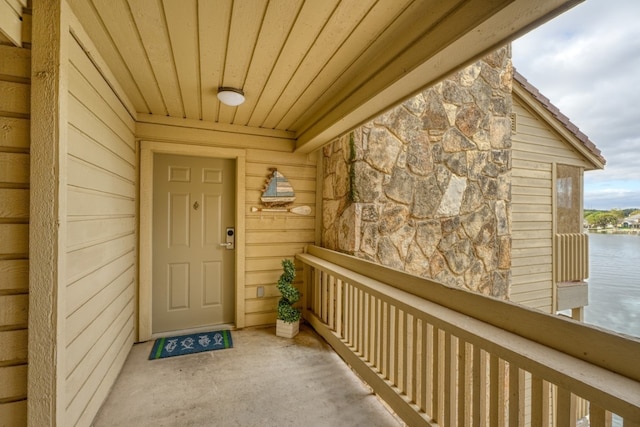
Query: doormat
(192, 343)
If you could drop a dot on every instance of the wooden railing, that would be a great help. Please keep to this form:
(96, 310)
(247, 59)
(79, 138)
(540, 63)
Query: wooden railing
(572, 257)
(448, 357)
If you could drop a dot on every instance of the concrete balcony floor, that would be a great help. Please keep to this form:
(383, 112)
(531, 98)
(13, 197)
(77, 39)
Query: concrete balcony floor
(262, 381)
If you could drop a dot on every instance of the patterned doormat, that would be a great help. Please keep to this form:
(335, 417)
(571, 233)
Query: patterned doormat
(192, 343)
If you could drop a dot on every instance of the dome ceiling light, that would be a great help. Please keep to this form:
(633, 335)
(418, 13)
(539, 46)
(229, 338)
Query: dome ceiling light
(230, 96)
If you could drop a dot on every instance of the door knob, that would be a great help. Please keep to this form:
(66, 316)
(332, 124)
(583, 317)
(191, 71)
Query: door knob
(226, 245)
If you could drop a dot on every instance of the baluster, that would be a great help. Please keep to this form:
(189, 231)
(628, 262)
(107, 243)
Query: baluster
(450, 367)
(393, 345)
(401, 347)
(415, 357)
(479, 387)
(598, 417)
(497, 392)
(316, 292)
(516, 396)
(323, 297)
(566, 408)
(438, 377)
(464, 383)
(377, 335)
(426, 369)
(339, 308)
(332, 303)
(386, 328)
(540, 402)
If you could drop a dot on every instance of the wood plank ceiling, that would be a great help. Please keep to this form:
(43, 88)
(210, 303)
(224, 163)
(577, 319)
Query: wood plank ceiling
(313, 69)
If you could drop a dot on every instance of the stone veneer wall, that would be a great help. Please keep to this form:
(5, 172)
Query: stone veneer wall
(425, 187)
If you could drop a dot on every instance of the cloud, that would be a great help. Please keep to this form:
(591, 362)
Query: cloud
(587, 62)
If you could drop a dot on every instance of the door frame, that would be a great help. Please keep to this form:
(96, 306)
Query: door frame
(145, 259)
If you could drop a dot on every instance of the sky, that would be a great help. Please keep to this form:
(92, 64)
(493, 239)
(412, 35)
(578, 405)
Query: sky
(587, 62)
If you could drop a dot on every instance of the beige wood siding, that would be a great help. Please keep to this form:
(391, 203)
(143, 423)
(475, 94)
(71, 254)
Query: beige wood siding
(274, 236)
(15, 74)
(11, 20)
(101, 176)
(535, 150)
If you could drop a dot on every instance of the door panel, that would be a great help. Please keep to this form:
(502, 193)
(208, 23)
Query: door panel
(193, 275)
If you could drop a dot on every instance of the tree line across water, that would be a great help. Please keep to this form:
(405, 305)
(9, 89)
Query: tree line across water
(601, 218)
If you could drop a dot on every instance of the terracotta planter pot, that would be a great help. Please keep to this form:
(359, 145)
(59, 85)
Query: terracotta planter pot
(287, 330)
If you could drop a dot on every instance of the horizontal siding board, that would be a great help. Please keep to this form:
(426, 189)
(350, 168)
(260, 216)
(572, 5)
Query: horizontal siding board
(262, 277)
(537, 286)
(15, 133)
(14, 414)
(15, 62)
(83, 233)
(289, 171)
(530, 191)
(269, 291)
(79, 292)
(14, 275)
(527, 252)
(13, 382)
(531, 260)
(530, 173)
(91, 151)
(83, 94)
(528, 164)
(88, 203)
(264, 157)
(531, 278)
(260, 305)
(86, 72)
(527, 208)
(280, 237)
(14, 347)
(259, 319)
(533, 216)
(14, 239)
(14, 204)
(10, 23)
(524, 243)
(102, 391)
(14, 168)
(15, 97)
(524, 184)
(87, 123)
(87, 260)
(559, 157)
(86, 176)
(78, 320)
(279, 221)
(531, 269)
(517, 226)
(77, 350)
(517, 199)
(280, 250)
(14, 310)
(114, 339)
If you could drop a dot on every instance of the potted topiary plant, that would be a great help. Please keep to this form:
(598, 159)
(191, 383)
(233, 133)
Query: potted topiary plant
(288, 323)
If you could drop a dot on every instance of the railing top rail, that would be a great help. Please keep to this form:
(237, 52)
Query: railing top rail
(607, 350)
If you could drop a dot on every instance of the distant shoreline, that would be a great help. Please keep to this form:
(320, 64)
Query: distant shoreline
(615, 230)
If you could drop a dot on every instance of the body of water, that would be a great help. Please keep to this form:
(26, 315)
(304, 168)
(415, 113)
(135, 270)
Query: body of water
(614, 282)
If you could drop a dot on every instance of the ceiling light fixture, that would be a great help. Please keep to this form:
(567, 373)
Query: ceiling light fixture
(230, 96)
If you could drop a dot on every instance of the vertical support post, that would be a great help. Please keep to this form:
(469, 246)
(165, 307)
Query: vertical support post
(47, 228)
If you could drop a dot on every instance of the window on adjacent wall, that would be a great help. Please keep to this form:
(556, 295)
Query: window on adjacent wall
(568, 199)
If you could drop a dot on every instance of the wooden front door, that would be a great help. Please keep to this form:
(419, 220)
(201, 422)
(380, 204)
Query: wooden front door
(193, 273)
